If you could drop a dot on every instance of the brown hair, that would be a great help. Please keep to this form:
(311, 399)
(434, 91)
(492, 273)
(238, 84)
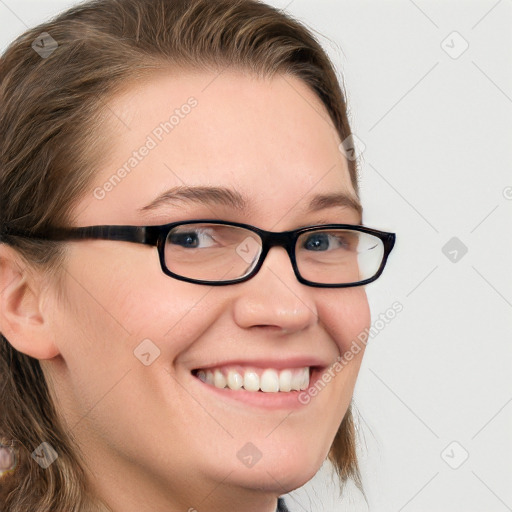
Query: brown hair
(52, 107)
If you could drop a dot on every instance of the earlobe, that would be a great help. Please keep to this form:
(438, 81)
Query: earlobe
(22, 321)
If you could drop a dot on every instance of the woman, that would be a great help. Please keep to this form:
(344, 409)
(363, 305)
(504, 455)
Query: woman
(187, 350)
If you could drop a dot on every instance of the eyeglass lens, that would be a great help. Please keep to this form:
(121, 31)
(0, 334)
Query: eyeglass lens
(218, 252)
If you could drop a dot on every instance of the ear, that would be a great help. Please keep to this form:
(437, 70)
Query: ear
(23, 320)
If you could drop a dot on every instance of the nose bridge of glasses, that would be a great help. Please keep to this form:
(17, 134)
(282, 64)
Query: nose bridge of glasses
(271, 239)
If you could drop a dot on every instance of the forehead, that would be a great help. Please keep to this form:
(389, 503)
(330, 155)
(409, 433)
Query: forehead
(269, 139)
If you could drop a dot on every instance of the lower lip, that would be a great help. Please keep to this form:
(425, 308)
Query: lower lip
(280, 400)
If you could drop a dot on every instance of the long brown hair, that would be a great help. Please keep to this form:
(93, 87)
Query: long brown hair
(52, 105)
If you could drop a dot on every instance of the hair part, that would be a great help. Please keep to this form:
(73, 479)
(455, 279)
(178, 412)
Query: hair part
(53, 115)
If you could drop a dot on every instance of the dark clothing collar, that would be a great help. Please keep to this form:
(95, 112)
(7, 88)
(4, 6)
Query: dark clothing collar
(281, 507)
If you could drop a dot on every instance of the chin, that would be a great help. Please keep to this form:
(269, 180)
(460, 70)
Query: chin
(277, 480)
(282, 471)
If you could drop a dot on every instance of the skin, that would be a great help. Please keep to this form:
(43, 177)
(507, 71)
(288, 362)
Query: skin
(153, 438)
(6, 459)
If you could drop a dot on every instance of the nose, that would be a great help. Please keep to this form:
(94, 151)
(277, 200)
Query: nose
(275, 298)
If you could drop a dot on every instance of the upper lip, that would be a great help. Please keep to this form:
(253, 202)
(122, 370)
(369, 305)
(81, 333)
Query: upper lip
(277, 363)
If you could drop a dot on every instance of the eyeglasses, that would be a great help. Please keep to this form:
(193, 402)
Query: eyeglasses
(216, 252)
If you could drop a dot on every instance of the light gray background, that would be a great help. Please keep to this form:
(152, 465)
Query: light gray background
(436, 135)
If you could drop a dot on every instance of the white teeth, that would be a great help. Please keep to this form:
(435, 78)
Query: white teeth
(285, 380)
(296, 380)
(235, 380)
(219, 381)
(251, 381)
(268, 381)
(305, 380)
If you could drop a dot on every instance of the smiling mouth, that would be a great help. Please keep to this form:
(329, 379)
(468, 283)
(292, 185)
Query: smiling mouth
(266, 380)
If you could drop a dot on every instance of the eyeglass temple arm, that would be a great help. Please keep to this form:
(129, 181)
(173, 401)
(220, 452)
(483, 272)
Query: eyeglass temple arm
(138, 234)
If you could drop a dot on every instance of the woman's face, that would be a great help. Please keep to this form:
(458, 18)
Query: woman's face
(150, 429)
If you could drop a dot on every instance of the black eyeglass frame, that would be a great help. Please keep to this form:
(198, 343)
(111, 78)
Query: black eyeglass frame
(157, 236)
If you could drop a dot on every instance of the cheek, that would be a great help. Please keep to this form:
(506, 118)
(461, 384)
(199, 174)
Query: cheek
(345, 314)
(126, 303)
(109, 309)
(101, 325)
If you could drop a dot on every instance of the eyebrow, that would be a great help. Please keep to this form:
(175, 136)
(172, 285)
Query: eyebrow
(213, 195)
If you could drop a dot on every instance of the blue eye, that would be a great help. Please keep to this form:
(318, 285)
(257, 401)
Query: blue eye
(184, 239)
(323, 242)
(317, 242)
(192, 239)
